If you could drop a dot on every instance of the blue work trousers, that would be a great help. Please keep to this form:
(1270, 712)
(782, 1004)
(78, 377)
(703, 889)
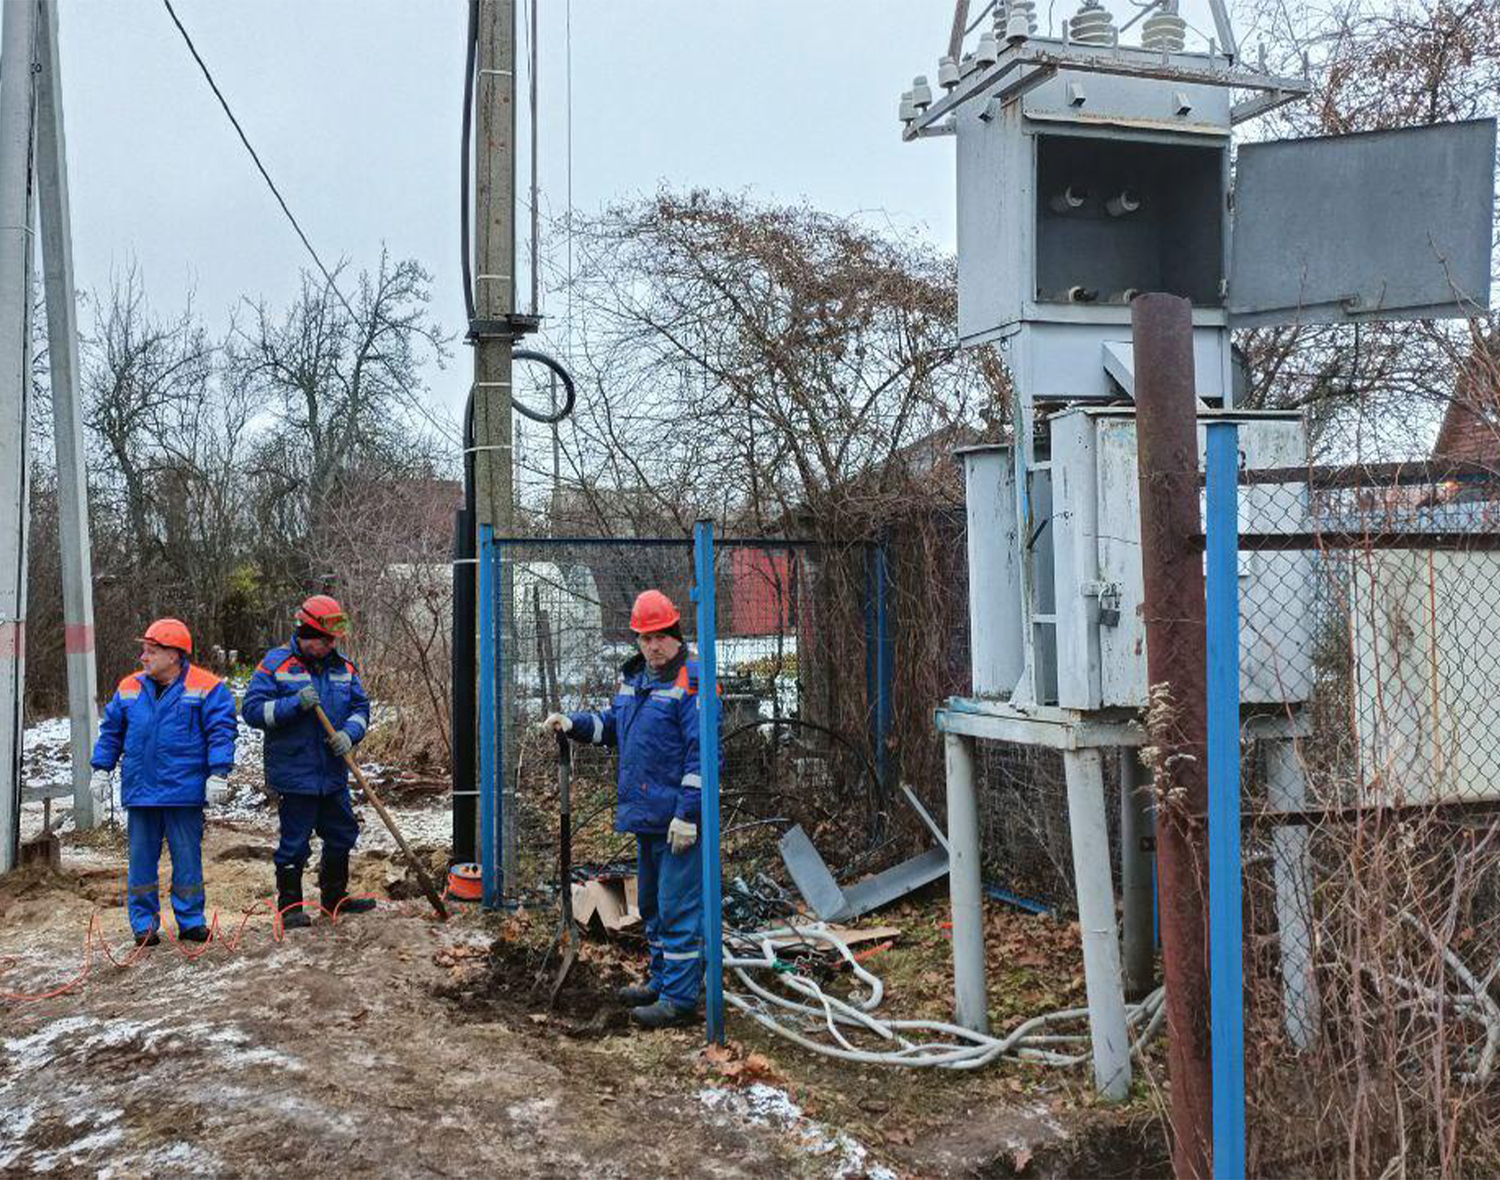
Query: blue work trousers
(671, 900)
(182, 827)
(331, 816)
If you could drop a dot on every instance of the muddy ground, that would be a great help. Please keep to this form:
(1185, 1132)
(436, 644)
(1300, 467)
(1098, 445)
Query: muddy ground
(390, 1044)
(333, 1049)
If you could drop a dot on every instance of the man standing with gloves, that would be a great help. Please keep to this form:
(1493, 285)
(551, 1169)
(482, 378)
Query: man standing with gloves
(653, 720)
(304, 766)
(173, 724)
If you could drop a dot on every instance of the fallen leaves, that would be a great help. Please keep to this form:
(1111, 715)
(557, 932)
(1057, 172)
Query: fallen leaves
(731, 1062)
(461, 962)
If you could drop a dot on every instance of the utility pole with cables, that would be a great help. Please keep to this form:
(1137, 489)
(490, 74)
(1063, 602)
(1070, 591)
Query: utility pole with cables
(495, 327)
(494, 331)
(17, 196)
(33, 168)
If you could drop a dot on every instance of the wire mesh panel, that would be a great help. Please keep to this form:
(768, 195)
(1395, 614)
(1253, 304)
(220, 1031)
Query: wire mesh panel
(1372, 859)
(796, 748)
(1026, 844)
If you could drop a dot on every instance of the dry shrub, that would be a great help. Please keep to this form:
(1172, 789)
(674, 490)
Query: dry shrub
(1400, 1080)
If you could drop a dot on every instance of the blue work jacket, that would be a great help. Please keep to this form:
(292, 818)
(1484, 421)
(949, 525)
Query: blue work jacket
(298, 760)
(168, 740)
(654, 722)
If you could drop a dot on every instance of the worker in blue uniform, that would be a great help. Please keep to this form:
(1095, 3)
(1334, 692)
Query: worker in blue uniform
(171, 729)
(653, 720)
(306, 767)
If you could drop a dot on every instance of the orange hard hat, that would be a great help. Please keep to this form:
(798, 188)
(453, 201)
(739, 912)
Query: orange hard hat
(322, 613)
(170, 633)
(653, 611)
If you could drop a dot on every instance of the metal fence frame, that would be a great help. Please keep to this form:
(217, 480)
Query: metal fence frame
(1418, 529)
(498, 835)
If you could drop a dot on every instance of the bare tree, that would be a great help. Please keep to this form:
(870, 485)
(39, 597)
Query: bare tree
(140, 372)
(759, 361)
(342, 383)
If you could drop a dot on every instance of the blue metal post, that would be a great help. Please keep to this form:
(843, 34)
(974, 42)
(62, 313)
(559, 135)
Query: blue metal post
(488, 795)
(884, 670)
(1226, 968)
(708, 757)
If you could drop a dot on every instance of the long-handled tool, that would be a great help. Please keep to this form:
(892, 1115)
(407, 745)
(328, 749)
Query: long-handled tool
(567, 929)
(422, 877)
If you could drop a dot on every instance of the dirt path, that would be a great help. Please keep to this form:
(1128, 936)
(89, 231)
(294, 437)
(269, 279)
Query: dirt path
(333, 1049)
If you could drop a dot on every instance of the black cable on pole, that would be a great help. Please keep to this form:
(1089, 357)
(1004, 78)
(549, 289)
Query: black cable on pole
(471, 61)
(240, 131)
(570, 394)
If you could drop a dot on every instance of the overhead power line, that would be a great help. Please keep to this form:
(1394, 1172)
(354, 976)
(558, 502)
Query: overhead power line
(240, 131)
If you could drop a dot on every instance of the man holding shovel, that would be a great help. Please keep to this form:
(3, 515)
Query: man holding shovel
(304, 765)
(653, 720)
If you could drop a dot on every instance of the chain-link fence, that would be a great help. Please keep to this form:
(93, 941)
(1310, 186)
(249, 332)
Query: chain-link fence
(805, 693)
(1370, 599)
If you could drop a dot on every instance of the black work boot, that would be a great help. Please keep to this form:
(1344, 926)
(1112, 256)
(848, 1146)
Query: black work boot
(333, 880)
(149, 938)
(637, 995)
(289, 893)
(664, 1014)
(192, 934)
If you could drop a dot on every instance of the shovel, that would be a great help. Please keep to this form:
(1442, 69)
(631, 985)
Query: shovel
(422, 877)
(567, 930)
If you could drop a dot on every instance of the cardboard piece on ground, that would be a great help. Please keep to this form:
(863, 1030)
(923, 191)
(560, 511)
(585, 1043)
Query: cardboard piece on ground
(610, 901)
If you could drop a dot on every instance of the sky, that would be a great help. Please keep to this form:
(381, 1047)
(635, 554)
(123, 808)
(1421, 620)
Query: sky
(354, 107)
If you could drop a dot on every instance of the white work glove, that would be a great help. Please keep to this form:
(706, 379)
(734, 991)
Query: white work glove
(308, 699)
(99, 786)
(217, 790)
(340, 743)
(557, 722)
(681, 835)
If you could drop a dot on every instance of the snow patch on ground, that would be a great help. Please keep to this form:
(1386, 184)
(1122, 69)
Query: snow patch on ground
(179, 1159)
(25, 1054)
(421, 826)
(238, 1048)
(766, 1106)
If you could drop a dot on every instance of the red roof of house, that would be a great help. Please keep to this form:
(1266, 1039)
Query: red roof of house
(1471, 425)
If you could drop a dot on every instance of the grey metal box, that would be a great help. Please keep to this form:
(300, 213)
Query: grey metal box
(1096, 521)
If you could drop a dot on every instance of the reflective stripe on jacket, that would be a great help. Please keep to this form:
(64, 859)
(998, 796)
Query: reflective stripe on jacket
(654, 722)
(167, 740)
(298, 760)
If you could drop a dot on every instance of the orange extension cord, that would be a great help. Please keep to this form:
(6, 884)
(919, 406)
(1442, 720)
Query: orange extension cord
(93, 939)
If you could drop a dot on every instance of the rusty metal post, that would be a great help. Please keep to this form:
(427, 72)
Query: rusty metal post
(1167, 445)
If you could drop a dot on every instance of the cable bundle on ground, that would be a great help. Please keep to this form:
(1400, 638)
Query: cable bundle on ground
(945, 1046)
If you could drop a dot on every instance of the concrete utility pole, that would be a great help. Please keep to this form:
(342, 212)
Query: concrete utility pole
(495, 329)
(67, 417)
(18, 47)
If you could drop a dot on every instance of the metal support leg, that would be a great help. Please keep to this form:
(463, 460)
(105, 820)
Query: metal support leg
(971, 1003)
(1096, 921)
(1286, 788)
(1135, 877)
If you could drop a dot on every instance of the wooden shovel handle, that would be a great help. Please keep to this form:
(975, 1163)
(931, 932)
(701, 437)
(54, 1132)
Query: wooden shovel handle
(422, 877)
